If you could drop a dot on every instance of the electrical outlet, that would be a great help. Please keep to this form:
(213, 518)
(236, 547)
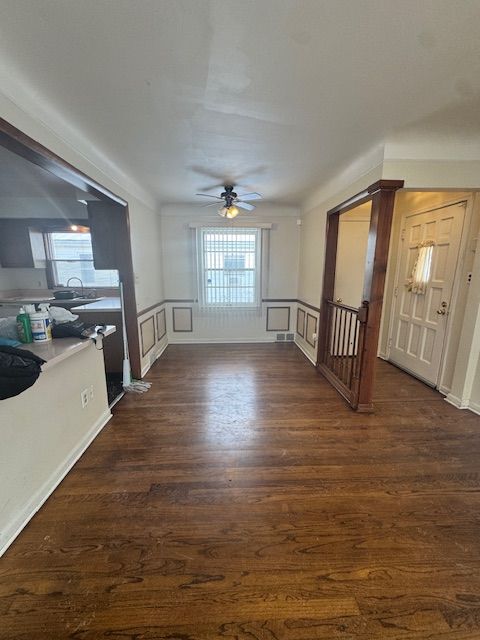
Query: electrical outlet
(91, 392)
(84, 398)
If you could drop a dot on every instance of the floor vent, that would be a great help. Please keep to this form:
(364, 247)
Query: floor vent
(290, 337)
(280, 337)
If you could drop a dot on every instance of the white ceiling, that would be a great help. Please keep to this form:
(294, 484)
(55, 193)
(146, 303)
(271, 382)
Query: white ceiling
(279, 94)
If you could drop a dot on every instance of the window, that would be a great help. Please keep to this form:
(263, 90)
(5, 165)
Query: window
(70, 256)
(229, 267)
(422, 268)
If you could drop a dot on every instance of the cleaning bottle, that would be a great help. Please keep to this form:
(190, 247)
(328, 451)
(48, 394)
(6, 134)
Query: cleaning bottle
(23, 327)
(40, 323)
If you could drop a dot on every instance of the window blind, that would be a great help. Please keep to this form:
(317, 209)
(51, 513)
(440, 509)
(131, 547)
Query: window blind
(229, 266)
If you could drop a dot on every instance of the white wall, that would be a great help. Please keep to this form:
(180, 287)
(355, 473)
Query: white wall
(280, 279)
(147, 254)
(41, 439)
(23, 279)
(351, 255)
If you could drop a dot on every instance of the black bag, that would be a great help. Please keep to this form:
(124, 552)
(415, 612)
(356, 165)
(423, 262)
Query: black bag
(19, 369)
(73, 329)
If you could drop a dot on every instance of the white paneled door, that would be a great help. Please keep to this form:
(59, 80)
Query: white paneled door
(419, 320)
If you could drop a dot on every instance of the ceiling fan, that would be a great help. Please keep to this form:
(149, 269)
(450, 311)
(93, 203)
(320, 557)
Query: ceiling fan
(231, 201)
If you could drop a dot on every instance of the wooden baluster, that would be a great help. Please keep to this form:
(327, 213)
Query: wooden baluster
(346, 373)
(327, 333)
(344, 331)
(353, 373)
(332, 345)
(337, 340)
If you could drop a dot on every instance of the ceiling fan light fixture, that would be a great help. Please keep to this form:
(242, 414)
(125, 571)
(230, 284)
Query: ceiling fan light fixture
(229, 212)
(232, 212)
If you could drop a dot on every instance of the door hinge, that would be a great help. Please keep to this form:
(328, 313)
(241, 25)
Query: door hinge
(402, 235)
(389, 343)
(395, 292)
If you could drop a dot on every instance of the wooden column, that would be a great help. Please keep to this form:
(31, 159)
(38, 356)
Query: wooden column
(328, 280)
(110, 229)
(383, 200)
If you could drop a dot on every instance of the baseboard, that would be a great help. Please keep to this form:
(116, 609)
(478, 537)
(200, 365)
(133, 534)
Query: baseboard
(149, 365)
(224, 341)
(382, 356)
(457, 402)
(445, 391)
(474, 406)
(45, 491)
(306, 354)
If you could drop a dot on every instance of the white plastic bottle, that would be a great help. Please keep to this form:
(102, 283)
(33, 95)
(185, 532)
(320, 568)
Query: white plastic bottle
(41, 326)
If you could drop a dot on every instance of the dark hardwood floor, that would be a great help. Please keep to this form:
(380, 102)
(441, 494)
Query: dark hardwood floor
(240, 498)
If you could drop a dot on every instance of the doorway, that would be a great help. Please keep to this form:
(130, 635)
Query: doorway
(108, 220)
(427, 262)
(348, 336)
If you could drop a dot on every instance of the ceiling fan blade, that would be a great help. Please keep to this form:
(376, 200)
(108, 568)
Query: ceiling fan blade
(244, 205)
(250, 196)
(208, 195)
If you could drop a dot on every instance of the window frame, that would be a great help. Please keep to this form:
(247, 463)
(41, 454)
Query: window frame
(201, 232)
(51, 271)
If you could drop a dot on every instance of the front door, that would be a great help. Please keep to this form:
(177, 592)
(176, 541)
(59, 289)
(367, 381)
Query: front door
(420, 313)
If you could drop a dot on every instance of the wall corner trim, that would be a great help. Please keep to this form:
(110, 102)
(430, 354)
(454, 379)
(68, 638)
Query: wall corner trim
(456, 401)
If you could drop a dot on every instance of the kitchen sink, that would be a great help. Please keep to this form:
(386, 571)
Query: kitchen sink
(75, 302)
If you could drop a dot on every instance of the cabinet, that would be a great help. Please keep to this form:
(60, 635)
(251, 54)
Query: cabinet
(106, 226)
(20, 246)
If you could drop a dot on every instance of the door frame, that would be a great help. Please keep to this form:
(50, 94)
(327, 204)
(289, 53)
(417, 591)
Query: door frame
(359, 390)
(466, 223)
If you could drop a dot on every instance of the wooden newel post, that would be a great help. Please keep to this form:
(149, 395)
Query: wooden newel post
(383, 200)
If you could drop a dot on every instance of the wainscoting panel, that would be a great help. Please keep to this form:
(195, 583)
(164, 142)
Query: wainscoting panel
(182, 320)
(161, 324)
(301, 322)
(147, 335)
(311, 329)
(278, 319)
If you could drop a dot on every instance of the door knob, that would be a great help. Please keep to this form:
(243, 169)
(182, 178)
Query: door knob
(441, 312)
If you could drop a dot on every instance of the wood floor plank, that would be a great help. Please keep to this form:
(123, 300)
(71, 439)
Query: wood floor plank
(240, 498)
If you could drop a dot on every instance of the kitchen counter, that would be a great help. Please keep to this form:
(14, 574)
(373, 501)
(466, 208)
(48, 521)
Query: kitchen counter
(20, 300)
(59, 349)
(106, 304)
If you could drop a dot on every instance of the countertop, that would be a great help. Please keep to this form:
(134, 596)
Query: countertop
(25, 300)
(107, 304)
(58, 349)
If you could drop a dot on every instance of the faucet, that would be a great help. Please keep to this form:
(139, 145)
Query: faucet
(75, 278)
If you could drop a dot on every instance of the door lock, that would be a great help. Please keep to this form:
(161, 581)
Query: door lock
(443, 309)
